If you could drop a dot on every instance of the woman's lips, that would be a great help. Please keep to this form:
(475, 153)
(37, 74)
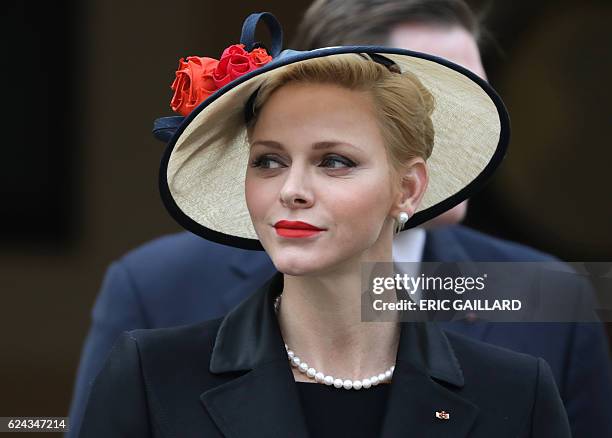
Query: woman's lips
(296, 229)
(294, 233)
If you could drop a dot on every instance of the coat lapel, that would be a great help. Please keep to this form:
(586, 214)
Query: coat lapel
(264, 400)
(425, 372)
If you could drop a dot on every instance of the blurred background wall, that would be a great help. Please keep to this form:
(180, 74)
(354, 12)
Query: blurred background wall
(83, 81)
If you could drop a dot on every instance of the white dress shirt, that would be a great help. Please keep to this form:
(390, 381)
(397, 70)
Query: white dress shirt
(408, 246)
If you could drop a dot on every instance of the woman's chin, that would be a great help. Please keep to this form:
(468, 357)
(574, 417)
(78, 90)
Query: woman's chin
(291, 263)
(307, 265)
(296, 269)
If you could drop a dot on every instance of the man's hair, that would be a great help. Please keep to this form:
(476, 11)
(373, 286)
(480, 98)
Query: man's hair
(369, 22)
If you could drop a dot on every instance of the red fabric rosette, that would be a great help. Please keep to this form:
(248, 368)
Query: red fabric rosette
(193, 83)
(234, 63)
(197, 78)
(259, 57)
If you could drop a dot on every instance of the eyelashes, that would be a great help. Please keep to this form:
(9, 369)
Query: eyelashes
(332, 161)
(343, 161)
(263, 161)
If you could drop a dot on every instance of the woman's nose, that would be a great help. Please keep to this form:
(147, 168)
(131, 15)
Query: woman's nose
(296, 191)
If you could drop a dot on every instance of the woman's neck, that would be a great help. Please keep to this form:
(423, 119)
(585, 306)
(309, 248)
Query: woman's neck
(320, 319)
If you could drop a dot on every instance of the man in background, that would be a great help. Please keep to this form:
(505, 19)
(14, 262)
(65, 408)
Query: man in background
(175, 280)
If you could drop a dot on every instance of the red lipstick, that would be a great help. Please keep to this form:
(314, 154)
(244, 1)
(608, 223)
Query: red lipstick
(296, 229)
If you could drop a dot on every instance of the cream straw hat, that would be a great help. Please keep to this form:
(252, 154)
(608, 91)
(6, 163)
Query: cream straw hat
(203, 168)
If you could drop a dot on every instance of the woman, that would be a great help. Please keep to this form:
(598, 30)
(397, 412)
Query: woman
(317, 157)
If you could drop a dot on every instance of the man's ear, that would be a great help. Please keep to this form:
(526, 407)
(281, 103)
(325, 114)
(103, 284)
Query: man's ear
(412, 185)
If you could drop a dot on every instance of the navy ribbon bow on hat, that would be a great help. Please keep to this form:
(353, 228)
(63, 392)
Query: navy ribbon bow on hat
(164, 128)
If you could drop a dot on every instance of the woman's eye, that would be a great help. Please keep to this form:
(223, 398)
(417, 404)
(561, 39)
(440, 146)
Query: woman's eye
(266, 162)
(272, 162)
(336, 162)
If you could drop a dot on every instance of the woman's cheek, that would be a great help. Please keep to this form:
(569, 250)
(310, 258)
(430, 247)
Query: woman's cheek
(256, 200)
(378, 205)
(261, 198)
(357, 216)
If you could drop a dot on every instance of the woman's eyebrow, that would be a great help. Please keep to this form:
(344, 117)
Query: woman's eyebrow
(269, 143)
(329, 144)
(316, 146)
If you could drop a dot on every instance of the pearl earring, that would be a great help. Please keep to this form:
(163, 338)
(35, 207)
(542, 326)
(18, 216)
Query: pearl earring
(402, 218)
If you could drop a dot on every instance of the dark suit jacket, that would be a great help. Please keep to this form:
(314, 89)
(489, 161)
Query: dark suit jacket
(230, 377)
(175, 280)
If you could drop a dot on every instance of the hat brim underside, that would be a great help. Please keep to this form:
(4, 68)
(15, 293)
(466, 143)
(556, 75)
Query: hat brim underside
(203, 168)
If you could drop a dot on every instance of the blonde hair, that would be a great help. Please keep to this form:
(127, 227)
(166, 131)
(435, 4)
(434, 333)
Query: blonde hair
(403, 105)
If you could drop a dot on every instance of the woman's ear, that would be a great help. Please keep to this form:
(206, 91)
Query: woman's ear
(412, 184)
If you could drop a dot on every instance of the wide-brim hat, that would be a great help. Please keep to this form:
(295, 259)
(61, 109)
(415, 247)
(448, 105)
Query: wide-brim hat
(202, 173)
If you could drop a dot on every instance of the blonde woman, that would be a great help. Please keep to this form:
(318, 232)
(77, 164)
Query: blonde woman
(318, 158)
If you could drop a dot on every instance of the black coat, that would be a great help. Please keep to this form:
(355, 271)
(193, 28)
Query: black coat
(230, 377)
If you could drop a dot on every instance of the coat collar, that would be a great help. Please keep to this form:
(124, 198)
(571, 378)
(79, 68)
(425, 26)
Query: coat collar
(260, 392)
(249, 335)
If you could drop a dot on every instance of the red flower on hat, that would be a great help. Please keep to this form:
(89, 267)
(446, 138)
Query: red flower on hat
(259, 57)
(234, 63)
(193, 83)
(197, 78)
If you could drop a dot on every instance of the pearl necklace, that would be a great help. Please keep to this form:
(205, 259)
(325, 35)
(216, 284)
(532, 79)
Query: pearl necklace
(319, 377)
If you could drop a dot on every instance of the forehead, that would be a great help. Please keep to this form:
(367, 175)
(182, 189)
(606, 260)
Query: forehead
(451, 42)
(309, 113)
